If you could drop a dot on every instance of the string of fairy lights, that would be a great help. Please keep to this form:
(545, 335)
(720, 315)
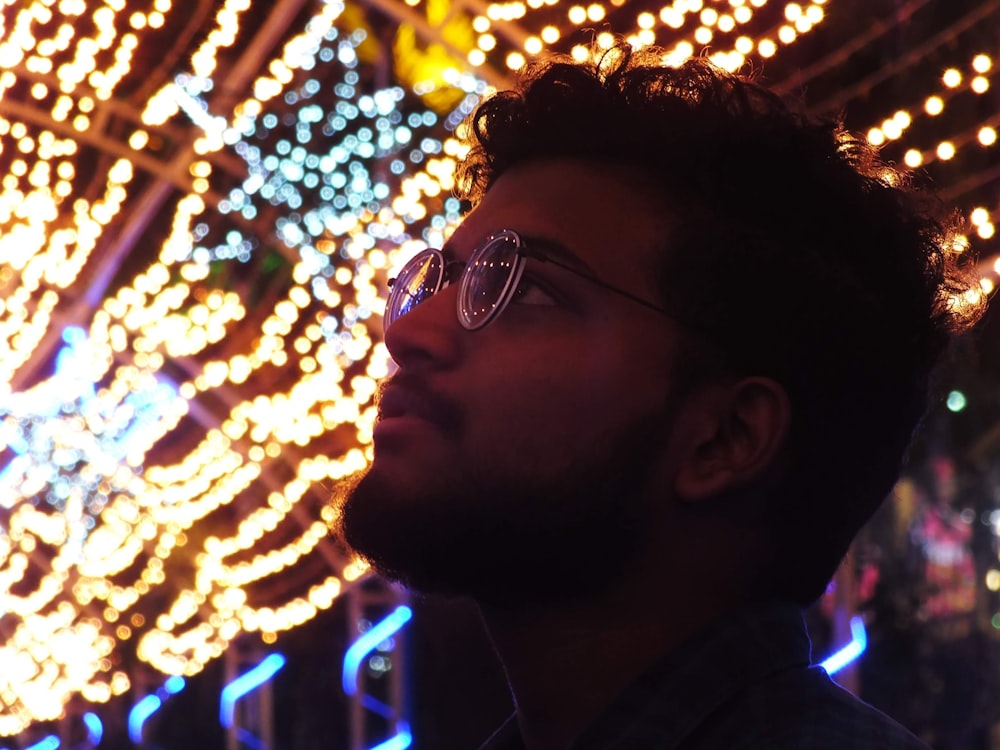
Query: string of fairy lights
(678, 28)
(954, 84)
(337, 181)
(130, 521)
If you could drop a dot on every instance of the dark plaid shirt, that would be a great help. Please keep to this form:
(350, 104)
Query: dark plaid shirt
(746, 684)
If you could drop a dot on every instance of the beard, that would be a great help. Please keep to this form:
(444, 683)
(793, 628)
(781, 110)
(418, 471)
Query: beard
(505, 539)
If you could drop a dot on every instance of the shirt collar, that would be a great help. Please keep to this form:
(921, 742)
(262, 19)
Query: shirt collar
(671, 699)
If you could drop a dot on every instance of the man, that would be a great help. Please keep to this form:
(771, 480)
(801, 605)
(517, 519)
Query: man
(647, 394)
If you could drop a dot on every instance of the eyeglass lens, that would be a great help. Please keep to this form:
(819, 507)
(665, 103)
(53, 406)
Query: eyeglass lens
(492, 274)
(417, 282)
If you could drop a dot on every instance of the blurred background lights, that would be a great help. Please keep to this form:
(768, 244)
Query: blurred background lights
(945, 150)
(94, 525)
(197, 219)
(993, 579)
(956, 401)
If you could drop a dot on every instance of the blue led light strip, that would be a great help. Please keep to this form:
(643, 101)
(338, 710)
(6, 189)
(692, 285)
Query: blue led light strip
(139, 714)
(246, 683)
(173, 685)
(369, 642)
(859, 642)
(401, 741)
(95, 731)
(48, 743)
(145, 708)
(95, 728)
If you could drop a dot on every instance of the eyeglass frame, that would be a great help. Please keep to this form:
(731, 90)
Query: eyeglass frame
(523, 251)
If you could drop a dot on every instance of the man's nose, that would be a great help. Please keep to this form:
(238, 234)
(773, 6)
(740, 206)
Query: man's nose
(428, 335)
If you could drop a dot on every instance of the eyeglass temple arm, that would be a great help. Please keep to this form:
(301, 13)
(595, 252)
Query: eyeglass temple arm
(537, 255)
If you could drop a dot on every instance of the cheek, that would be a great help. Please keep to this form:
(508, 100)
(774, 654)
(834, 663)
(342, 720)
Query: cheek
(566, 394)
(566, 411)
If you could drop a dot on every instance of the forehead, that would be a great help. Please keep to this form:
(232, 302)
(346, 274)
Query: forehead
(611, 217)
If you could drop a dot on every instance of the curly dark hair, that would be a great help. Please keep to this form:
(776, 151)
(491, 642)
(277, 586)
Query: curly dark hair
(793, 248)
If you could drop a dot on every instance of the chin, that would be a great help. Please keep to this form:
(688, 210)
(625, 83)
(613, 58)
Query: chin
(499, 548)
(503, 533)
(404, 538)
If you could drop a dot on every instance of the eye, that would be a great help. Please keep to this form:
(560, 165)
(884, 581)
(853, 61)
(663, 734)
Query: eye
(530, 292)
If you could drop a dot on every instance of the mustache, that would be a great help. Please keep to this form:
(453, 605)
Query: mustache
(408, 395)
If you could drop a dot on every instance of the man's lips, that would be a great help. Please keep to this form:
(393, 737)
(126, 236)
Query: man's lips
(401, 398)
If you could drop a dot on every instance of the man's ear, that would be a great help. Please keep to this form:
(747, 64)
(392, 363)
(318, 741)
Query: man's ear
(735, 432)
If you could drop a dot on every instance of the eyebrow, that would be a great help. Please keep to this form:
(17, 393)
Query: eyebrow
(557, 252)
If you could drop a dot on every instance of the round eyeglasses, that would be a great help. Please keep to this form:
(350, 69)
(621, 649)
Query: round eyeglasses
(487, 282)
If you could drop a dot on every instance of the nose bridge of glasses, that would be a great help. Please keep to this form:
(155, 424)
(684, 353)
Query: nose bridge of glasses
(453, 270)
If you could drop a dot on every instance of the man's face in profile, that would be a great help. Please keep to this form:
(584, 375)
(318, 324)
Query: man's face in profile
(527, 449)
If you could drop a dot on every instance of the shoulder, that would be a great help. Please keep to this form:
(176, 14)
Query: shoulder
(506, 737)
(802, 709)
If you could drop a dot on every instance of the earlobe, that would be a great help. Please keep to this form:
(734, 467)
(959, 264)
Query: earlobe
(736, 434)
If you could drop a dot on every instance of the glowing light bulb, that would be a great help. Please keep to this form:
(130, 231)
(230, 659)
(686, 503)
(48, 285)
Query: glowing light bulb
(515, 61)
(956, 401)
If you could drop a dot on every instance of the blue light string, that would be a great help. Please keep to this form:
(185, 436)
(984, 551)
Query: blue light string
(377, 707)
(368, 642)
(149, 705)
(249, 740)
(95, 728)
(139, 714)
(246, 683)
(841, 658)
(95, 731)
(402, 740)
(174, 685)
